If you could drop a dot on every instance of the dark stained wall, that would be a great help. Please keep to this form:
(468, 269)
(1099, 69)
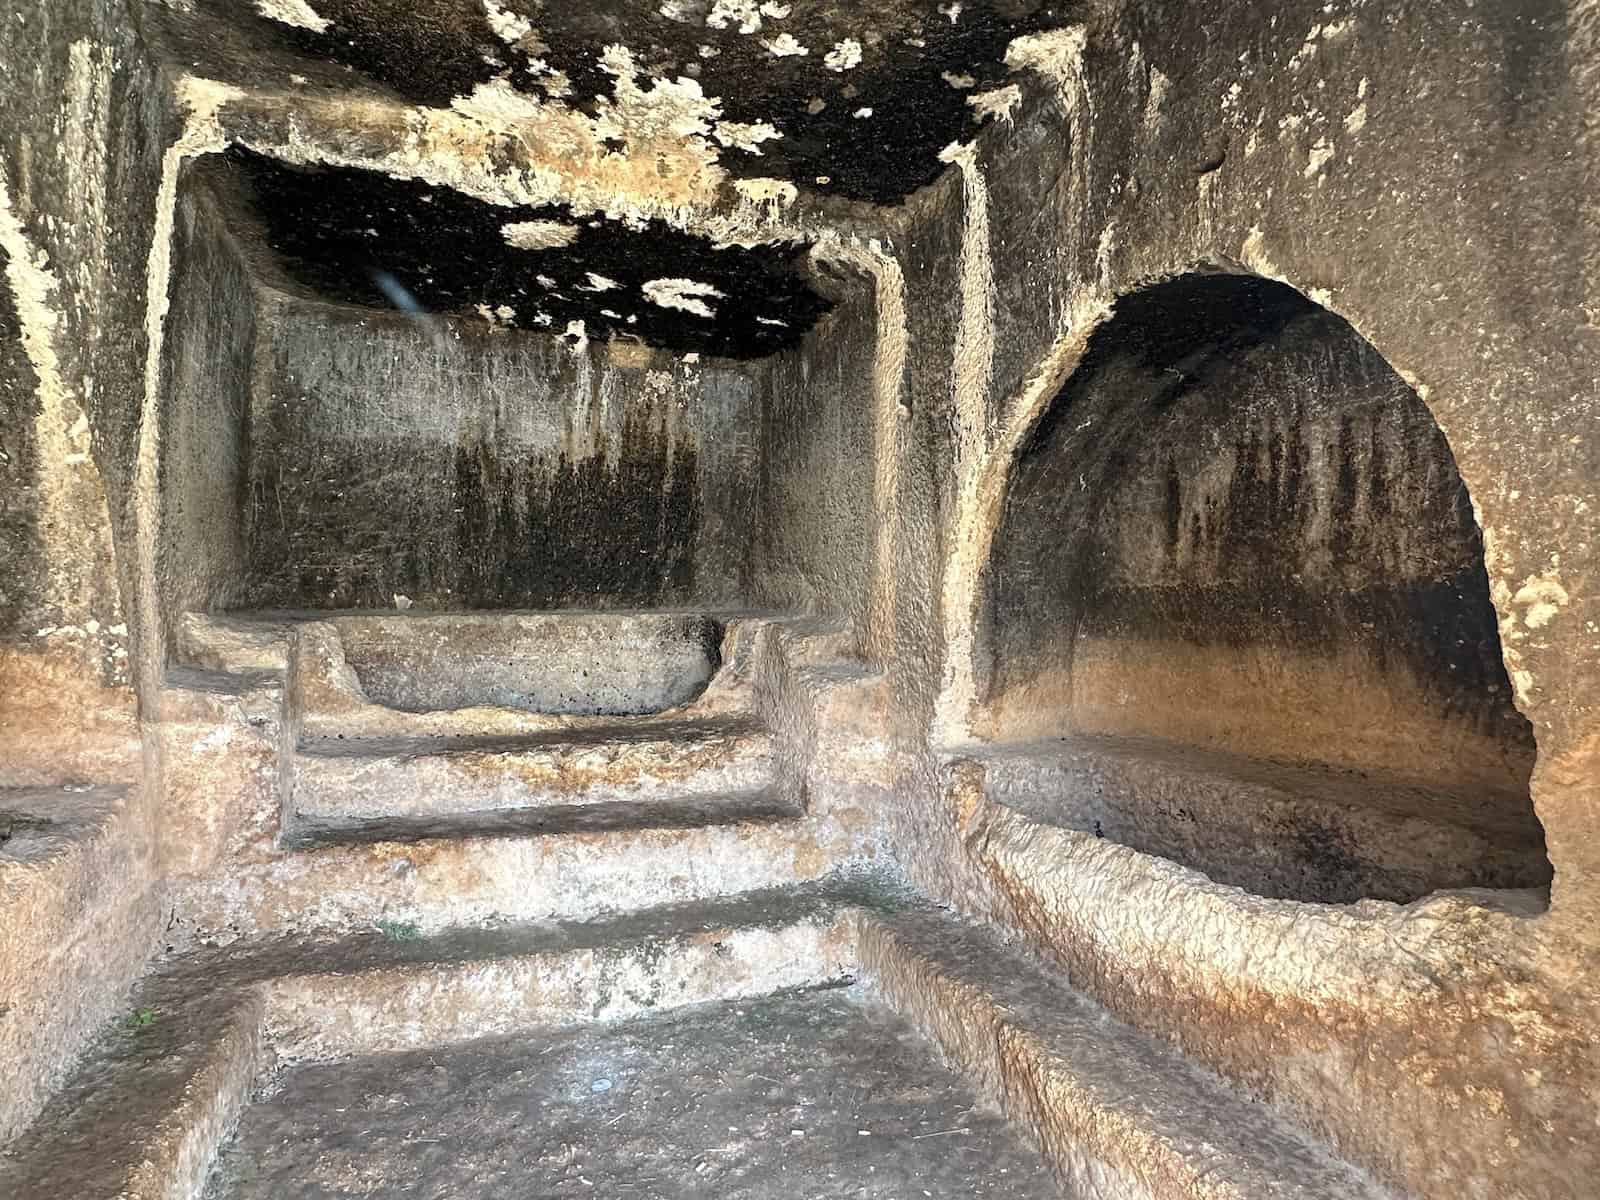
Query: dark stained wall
(467, 468)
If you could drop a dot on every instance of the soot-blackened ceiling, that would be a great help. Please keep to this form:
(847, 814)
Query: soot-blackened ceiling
(368, 238)
(836, 96)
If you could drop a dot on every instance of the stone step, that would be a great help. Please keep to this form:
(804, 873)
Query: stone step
(336, 875)
(239, 644)
(555, 820)
(1119, 1113)
(145, 1114)
(428, 778)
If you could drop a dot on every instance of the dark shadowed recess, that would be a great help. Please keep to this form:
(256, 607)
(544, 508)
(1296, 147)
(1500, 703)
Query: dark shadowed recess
(1234, 477)
(341, 232)
(22, 569)
(920, 61)
(1311, 538)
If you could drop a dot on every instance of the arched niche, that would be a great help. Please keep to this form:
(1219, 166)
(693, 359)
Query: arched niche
(1236, 612)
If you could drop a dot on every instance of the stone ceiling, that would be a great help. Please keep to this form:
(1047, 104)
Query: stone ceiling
(850, 98)
(364, 237)
(831, 98)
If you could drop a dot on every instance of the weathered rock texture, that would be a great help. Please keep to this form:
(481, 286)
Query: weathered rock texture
(63, 638)
(1326, 147)
(826, 1089)
(216, 333)
(80, 149)
(1301, 832)
(1137, 463)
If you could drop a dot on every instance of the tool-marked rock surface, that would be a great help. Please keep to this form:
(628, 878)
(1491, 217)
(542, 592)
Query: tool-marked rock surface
(59, 848)
(809, 1094)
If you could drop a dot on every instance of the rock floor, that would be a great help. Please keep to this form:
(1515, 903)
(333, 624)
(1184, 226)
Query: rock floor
(803, 1095)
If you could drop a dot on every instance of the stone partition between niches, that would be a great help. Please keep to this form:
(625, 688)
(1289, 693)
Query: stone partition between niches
(209, 368)
(23, 555)
(814, 546)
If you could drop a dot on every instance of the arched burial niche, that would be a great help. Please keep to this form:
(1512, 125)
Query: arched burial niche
(1236, 612)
